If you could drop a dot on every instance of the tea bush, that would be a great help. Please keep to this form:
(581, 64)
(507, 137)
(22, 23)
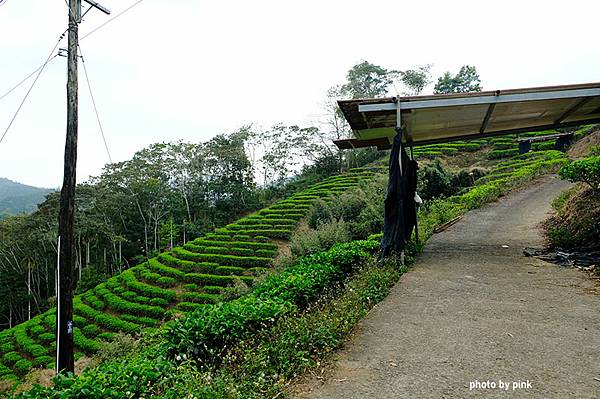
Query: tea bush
(584, 170)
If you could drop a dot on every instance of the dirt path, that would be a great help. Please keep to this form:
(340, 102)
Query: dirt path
(474, 310)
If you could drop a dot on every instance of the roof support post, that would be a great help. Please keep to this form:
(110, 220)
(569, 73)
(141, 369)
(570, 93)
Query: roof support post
(398, 130)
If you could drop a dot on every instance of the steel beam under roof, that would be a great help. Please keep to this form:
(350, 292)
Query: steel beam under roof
(449, 117)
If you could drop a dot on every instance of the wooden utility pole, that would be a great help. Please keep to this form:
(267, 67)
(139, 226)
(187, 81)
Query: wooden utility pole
(65, 361)
(66, 267)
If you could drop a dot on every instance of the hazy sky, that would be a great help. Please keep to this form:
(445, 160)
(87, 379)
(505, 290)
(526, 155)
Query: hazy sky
(190, 69)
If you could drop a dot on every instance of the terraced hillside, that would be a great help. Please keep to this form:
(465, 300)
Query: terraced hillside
(499, 147)
(171, 284)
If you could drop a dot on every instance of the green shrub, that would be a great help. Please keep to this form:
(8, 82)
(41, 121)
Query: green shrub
(319, 214)
(43, 361)
(47, 337)
(93, 301)
(91, 330)
(106, 336)
(123, 306)
(166, 281)
(209, 279)
(307, 242)
(224, 260)
(497, 154)
(434, 181)
(156, 266)
(190, 287)
(104, 319)
(189, 306)
(22, 366)
(148, 275)
(6, 347)
(11, 358)
(219, 250)
(584, 170)
(129, 279)
(36, 350)
(212, 289)
(141, 320)
(235, 244)
(266, 253)
(230, 271)
(163, 303)
(83, 343)
(208, 333)
(169, 260)
(36, 329)
(199, 297)
(21, 337)
(544, 146)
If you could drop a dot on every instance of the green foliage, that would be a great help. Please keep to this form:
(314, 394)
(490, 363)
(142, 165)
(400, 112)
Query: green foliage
(104, 319)
(6, 347)
(274, 329)
(319, 214)
(307, 242)
(141, 320)
(11, 358)
(203, 242)
(208, 332)
(199, 297)
(229, 260)
(166, 271)
(43, 361)
(121, 305)
(466, 80)
(210, 279)
(84, 343)
(584, 170)
(497, 154)
(166, 281)
(129, 279)
(577, 221)
(90, 277)
(91, 330)
(366, 80)
(22, 366)
(434, 181)
(47, 337)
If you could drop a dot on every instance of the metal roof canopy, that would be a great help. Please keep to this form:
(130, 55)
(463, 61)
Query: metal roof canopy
(449, 117)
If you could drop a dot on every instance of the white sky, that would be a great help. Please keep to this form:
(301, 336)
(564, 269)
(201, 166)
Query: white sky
(190, 69)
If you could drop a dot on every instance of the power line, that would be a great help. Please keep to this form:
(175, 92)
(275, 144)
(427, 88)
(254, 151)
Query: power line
(88, 34)
(110, 20)
(87, 78)
(40, 70)
(24, 80)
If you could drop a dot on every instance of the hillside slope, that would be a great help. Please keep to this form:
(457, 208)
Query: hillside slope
(171, 284)
(17, 198)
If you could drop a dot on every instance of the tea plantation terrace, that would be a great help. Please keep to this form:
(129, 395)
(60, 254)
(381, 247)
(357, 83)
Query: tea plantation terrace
(173, 283)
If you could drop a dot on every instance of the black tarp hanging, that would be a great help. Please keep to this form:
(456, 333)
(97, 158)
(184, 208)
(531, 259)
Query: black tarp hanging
(400, 211)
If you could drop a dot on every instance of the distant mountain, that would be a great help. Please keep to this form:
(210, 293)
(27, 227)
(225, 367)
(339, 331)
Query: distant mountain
(18, 198)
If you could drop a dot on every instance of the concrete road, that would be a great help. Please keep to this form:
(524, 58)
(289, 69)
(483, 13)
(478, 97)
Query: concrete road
(476, 319)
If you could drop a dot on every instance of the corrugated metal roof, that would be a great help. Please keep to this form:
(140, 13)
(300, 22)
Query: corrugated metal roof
(449, 117)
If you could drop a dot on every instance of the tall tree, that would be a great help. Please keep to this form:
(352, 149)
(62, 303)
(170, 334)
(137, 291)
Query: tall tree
(414, 80)
(466, 80)
(366, 80)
